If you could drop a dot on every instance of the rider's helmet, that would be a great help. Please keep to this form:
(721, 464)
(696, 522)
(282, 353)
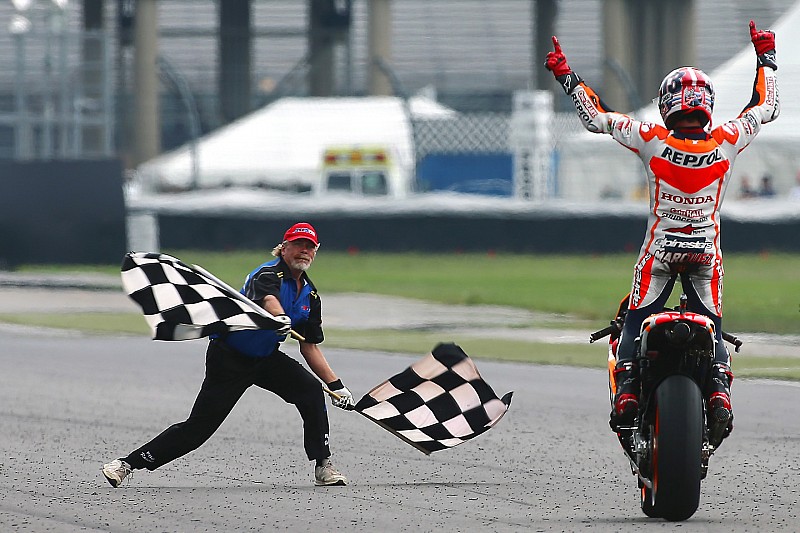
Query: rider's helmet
(685, 91)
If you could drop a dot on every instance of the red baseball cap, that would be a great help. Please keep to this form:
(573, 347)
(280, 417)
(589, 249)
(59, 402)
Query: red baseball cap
(301, 230)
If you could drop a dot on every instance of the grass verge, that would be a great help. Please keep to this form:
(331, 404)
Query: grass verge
(416, 342)
(762, 291)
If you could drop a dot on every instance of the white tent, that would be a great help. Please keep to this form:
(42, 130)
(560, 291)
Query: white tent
(591, 166)
(281, 145)
(776, 149)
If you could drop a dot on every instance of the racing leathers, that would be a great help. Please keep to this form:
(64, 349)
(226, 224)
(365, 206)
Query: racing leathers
(688, 166)
(688, 171)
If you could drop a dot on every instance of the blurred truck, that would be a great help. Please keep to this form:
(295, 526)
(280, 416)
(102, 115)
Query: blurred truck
(362, 170)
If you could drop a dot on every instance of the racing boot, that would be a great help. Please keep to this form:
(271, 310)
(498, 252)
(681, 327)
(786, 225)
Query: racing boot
(626, 400)
(719, 413)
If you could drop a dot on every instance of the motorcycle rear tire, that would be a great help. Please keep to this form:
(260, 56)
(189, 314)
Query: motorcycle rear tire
(677, 449)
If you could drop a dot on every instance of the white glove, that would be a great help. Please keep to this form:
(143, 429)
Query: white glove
(286, 325)
(345, 397)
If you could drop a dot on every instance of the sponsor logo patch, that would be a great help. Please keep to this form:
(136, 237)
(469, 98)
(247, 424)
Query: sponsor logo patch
(687, 200)
(688, 229)
(583, 114)
(636, 291)
(692, 160)
(587, 104)
(680, 249)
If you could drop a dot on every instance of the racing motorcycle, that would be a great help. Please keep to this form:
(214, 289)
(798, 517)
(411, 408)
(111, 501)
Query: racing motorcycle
(671, 440)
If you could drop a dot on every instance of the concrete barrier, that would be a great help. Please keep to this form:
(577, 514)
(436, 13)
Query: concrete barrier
(61, 212)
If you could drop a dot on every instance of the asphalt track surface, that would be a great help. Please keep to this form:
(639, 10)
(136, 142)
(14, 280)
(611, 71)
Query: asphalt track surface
(70, 402)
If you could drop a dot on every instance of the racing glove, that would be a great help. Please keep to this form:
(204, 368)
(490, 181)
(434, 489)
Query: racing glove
(345, 397)
(285, 327)
(764, 43)
(556, 62)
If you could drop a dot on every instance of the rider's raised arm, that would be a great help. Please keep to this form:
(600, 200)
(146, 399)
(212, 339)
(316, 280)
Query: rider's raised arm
(764, 103)
(595, 115)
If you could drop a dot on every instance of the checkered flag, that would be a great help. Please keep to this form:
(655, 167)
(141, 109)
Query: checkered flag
(182, 302)
(438, 402)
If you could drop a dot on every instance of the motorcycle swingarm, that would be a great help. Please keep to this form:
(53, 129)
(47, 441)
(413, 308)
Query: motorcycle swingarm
(645, 481)
(635, 469)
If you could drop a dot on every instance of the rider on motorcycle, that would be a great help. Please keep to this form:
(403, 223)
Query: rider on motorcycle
(688, 165)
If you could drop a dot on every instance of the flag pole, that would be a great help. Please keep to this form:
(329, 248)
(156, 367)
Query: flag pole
(331, 393)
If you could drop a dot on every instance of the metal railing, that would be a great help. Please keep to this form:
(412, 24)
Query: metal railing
(62, 93)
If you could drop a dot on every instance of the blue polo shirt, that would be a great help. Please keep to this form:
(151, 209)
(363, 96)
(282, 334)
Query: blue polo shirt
(303, 306)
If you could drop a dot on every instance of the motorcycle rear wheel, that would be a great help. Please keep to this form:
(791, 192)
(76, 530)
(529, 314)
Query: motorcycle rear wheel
(677, 443)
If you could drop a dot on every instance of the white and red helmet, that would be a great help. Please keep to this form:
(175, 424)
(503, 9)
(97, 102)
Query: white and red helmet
(686, 90)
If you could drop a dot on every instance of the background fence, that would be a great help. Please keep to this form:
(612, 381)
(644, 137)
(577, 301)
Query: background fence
(66, 91)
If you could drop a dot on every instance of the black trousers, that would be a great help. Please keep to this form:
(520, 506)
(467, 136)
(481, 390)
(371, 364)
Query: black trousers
(228, 375)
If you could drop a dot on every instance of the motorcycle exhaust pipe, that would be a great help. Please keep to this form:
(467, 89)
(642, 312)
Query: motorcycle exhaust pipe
(718, 423)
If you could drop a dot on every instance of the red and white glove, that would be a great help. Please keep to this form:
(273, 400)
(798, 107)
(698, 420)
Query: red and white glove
(556, 62)
(764, 43)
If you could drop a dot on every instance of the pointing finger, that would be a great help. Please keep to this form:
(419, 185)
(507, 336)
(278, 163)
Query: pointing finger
(753, 30)
(556, 45)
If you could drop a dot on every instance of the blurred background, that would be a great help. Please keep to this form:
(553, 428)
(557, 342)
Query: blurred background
(136, 124)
